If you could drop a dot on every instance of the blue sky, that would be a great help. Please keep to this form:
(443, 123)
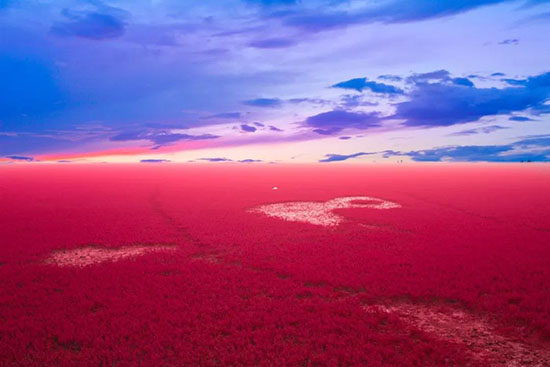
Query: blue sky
(274, 81)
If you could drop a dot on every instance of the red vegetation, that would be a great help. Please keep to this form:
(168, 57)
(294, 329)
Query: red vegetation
(458, 275)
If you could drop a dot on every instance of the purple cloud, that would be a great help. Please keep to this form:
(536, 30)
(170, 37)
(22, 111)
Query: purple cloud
(216, 159)
(328, 123)
(264, 102)
(437, 75)
(520, 118)
(360, 84)
(155, 160)
(248, 128)
(444, 103)
(20, 158)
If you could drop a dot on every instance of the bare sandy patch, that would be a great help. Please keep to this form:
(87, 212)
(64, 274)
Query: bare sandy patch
(92, 255)
(321, 213)
(476, 333)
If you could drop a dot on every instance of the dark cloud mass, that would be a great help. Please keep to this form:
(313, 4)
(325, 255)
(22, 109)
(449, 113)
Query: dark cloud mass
(360, 84)
(444, 103)
(463, 81)
(248, 128)
(331, 122)
(91, 25)
(520, 118)
(20, 158)
(391, 11)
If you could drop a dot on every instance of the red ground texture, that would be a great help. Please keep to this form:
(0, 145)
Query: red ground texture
(178, 269)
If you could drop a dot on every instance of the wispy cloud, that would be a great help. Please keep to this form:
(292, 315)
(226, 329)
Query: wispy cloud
(20, 158)
(360, 84)
(273, 43)
(264, 102)
(154, 160)
(216, 159)
(510, 41)
(159, 137)
(341, 157)
(394, 11)
(479, 130)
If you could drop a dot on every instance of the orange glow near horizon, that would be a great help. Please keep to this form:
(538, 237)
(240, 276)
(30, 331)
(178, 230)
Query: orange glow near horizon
(194, 145)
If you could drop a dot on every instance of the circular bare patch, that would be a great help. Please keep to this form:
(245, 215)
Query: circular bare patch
(320, 213)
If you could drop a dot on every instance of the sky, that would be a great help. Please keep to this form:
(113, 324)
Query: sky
(274, 81)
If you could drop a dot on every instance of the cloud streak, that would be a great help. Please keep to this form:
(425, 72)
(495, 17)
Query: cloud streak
(528, 149)
(390, 11)
(361, 84)
(160, 137)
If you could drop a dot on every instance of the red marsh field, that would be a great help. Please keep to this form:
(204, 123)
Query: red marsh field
(209, 265)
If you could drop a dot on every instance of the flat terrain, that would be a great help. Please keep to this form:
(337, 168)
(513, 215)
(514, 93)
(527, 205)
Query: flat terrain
(185, 265)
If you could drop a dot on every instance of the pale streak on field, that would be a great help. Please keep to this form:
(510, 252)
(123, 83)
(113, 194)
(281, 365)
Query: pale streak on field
(455, 325)
(320, 213)
(86, 256)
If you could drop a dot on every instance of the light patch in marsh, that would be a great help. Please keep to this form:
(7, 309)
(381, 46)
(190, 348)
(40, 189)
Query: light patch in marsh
(321, 213)
(92, 255)
(458, 326)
